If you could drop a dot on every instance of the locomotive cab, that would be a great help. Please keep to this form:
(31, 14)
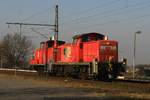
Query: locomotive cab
(50, 44)
(101, 53)
(88, 37)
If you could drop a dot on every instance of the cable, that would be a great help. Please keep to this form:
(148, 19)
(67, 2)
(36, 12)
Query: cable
(89, 10)
(130, 11)
(125, 11)
(38, 13)
(39, 33)
(103, 13)
(93, 8)
(117, 21)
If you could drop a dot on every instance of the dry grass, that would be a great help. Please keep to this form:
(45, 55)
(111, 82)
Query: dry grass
(91, 88)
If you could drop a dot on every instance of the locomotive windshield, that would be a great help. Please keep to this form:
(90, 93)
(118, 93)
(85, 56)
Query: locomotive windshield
(51, 43)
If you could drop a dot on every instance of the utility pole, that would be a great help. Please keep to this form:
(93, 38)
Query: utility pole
(56, 24)
(20, 31)
(1, 61)
(134, 54)
(56, 34)
(31, 24)
(55, 29)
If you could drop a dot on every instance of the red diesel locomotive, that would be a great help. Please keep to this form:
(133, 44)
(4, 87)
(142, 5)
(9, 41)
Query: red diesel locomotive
(90, 55)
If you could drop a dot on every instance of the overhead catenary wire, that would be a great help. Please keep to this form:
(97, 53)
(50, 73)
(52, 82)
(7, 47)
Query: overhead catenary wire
(36, 14)
(115, 13)
(114, 22)
(117, 21)
(28, 29)
(30, 17)
(84, 18)
(89, 10)
(105, 12)
(39, 33)
(45, 10)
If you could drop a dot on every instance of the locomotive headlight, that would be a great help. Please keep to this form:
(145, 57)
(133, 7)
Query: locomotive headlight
(124, 62)
(114, 48)
(107, 43)
(106, 38)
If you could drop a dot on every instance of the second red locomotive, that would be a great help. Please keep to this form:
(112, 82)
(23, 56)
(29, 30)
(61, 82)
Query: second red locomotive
(90, 55)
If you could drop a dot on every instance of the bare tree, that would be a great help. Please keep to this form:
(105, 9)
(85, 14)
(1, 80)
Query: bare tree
(15, 50)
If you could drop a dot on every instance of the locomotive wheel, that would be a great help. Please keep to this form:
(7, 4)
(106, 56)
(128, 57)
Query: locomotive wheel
(40, 70)
(84, 76)
(83, 72)
(104, 74)
(75, 72)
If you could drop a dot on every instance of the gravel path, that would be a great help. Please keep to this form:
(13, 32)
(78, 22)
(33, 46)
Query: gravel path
(23, 88)
(17, 88)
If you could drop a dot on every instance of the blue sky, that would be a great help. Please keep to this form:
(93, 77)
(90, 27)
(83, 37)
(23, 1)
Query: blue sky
(119, 19)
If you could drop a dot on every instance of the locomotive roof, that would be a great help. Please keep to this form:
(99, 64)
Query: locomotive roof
(87, 34)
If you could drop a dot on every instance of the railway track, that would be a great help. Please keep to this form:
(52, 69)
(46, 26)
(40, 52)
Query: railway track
(31, 73)
(18, 72)
(133, 81)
